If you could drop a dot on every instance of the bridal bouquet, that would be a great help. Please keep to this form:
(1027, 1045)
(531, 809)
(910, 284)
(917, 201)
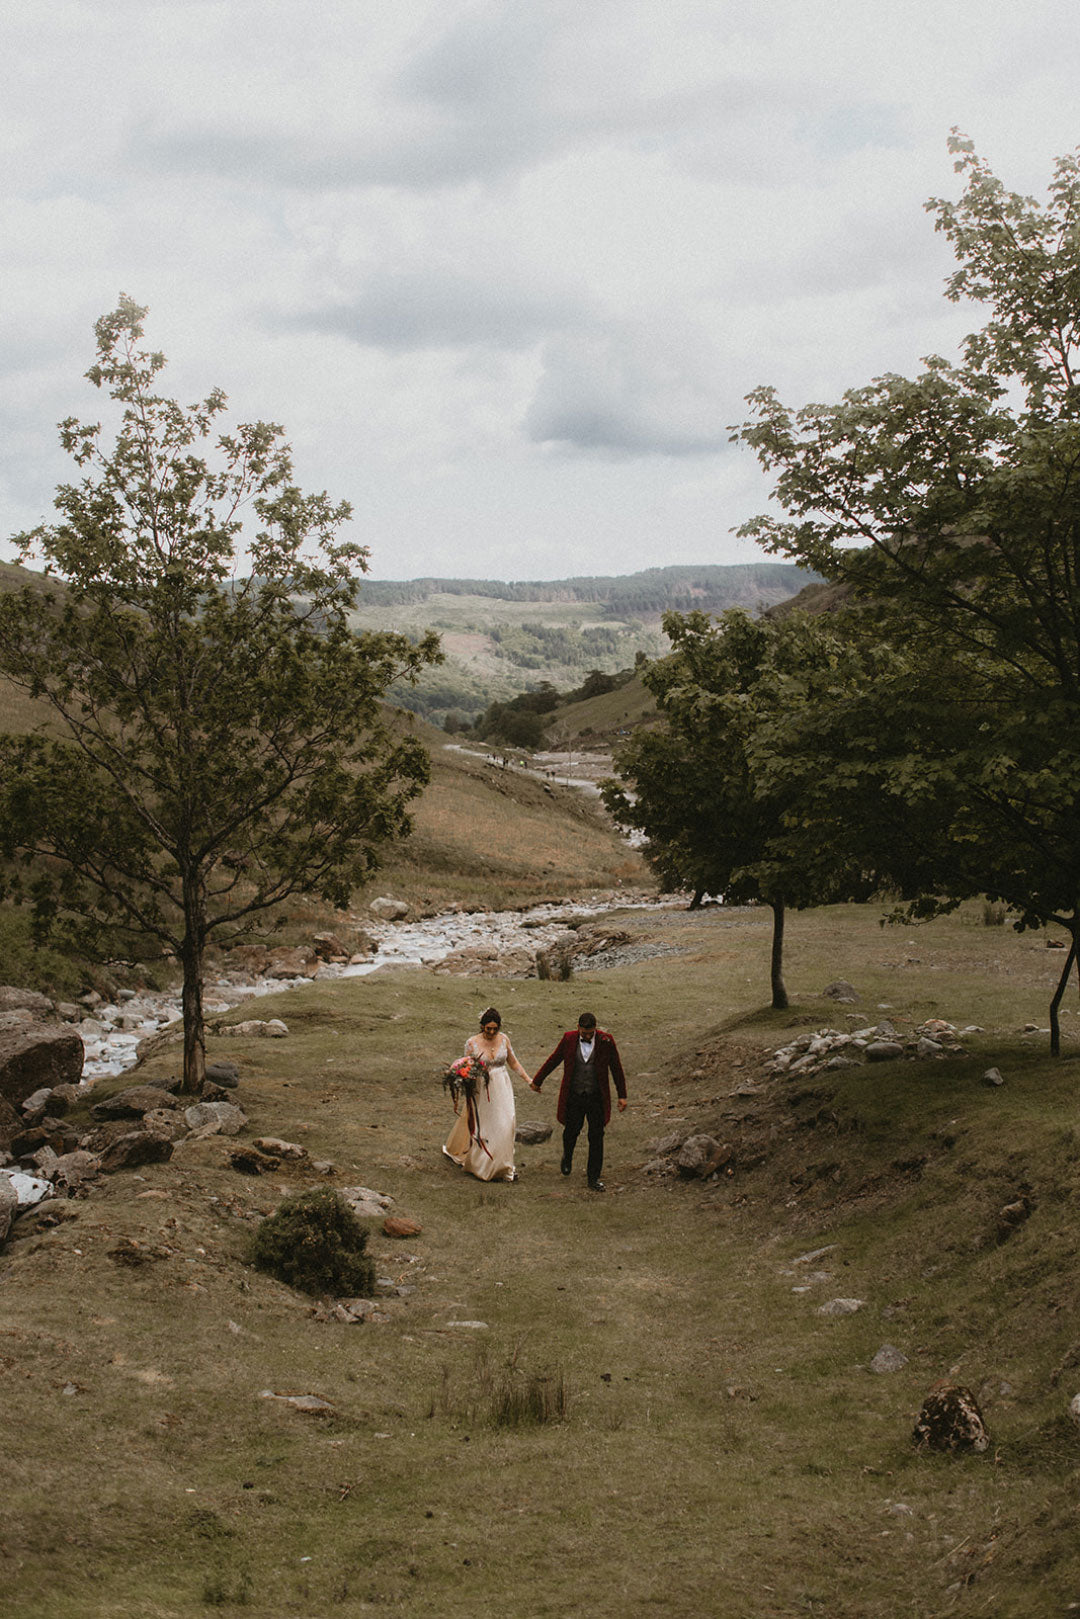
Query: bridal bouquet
(464, 1078)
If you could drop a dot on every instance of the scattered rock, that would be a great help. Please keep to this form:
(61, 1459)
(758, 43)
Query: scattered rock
(254, 1029)
(888, 1359)
(472, 1326)
(29, 1189)
(841, 1307)
(389, 910)
(1074, 1409)
(37, 1056)
(309, 1404)
(9, 1207)
(134, 1148)
(397, 1225)
(531, 1132)
(366, 1204)
(301, 962)
(223, 1073)
(74, 1169)
(992, 1077)
(280, 1149)
(215, 1118)
(883, 1050)
(1012, 1216)
(133, 1103)
(701, 1156)
(251, 1162)
(841, 990)
(25, 1000)
(350, 1312)
(950, 1420)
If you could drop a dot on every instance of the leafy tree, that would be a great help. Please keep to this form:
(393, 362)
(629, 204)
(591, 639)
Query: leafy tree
(215, 743)
(948, 504)
(696, 785)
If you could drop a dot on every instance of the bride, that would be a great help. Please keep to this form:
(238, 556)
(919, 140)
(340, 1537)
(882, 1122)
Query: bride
(482, 1140)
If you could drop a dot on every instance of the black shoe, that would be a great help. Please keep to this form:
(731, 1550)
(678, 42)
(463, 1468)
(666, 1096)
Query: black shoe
(565, 1165)
(596, 1186)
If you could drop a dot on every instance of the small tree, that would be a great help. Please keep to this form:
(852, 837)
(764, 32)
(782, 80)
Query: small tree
(214, 744)
(697, 784)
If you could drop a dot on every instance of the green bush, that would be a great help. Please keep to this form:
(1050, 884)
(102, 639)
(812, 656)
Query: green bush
(314, 1242)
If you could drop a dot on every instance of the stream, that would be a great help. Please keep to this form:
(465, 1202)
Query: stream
(111, 1032)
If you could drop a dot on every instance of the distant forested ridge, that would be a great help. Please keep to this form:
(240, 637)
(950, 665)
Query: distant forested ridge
(708, 587)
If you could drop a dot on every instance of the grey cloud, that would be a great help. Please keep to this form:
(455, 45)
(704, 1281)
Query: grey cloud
(629, 391)
(442, 309)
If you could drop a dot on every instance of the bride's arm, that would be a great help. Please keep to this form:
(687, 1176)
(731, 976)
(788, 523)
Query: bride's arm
(515, 1065)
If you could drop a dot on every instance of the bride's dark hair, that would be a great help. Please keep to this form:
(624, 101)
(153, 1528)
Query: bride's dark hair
(491, 1016)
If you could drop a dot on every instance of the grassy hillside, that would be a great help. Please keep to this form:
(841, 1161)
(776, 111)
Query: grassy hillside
(501, 639)
(724, 1448)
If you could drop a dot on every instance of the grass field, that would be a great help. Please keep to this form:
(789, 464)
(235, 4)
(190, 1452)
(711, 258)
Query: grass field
(718, 1447)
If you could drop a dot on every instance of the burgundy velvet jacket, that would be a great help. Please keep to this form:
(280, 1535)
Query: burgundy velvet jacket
(607, 1062)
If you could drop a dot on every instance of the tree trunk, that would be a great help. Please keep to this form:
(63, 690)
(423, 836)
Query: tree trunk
(779, 993)
(191, 956)
(1055, 1025)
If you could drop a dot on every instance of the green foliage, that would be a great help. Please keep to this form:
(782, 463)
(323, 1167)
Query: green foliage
(314, 1242)
(214, 744)
(946, 506)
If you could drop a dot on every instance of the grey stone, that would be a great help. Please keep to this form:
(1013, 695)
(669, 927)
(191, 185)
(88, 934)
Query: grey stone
(34, 1056)
(223, 1117)
(134, 1148)
(699, 1156)
(133, 1103)
(841, 1307)
(884, 1050)
(39, 1101)
(9, 1207)
(255, 1028)
(841, 990)
(365, 1203)
(992, 1077)
(276, 1148)
(531, 1132)
(389, 910)
(223, 1073)
(25, 1000)
(888, 1359)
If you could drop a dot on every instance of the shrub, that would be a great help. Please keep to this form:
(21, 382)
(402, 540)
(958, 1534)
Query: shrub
(314, 1242)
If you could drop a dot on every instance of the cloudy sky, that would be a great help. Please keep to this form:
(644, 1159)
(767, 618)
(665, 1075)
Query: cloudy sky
(505, 269)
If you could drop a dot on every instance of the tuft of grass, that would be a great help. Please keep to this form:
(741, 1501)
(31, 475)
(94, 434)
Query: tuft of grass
(506, 1396)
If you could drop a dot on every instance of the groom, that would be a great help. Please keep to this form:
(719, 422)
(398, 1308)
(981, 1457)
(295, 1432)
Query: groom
(588, 1055)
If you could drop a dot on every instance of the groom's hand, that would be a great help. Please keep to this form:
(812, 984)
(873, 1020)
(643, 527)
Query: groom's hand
(622, 1104)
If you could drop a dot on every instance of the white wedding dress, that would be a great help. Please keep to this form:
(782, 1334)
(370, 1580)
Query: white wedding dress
(482, 1140)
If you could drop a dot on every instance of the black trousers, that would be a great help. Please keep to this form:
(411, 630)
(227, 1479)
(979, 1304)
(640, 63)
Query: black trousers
(579, 1111)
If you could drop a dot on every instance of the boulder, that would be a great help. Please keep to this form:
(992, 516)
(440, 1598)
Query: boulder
(73, 1169)
(133, 1103)
(136, 1147)
(25, 1000)
(223, 1073)
(841, 990)
(841, 1307)
(38, 1055)
(328, 947)
(389, 910)
(365, 1203)
(396, 1225)
(888, 1359)
(950, 1420)
(215, 1118)
(884, 1050)
(9, 1206)
(274, 1147)
(701, 1156)
(531, 1132)
(301, 962)
(255, 1029)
